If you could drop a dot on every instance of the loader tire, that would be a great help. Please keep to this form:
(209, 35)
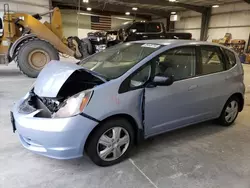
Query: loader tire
(33, 55)
(88, 45)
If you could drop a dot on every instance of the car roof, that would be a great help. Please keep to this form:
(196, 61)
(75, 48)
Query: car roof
(176, 42)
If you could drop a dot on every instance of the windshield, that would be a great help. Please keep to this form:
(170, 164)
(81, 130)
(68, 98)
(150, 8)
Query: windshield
(115, 61)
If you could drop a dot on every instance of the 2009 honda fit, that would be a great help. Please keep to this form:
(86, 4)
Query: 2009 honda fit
(132, 91)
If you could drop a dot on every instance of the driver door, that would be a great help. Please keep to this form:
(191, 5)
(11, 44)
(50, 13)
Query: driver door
(171, 107)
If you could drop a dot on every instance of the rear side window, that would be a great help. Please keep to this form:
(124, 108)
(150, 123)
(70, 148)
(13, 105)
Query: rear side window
(140, 27)
(153, 27)
(211, 61)
(230, 58)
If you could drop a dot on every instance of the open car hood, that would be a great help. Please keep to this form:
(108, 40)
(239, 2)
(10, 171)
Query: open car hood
(65, 77)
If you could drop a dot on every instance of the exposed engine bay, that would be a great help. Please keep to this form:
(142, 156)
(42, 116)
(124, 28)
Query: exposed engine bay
(80, 80)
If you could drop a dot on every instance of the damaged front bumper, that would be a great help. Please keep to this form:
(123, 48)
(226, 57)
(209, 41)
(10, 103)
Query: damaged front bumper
(60, 138)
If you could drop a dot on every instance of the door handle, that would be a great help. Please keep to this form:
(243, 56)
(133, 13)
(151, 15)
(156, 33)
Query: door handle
(192, 87)
(145, 36)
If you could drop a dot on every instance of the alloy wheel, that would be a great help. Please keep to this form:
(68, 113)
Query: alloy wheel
(231, 111)
(113, 144)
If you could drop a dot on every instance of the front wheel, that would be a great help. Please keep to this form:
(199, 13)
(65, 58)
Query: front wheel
(111, 142)
(229, 112)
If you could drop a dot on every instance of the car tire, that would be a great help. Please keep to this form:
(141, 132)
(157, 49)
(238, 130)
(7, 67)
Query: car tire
(230, 112)
(111, 142)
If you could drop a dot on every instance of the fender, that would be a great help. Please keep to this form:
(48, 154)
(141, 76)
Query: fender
(15, 45)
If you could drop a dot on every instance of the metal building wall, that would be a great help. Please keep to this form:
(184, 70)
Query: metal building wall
(230, 18)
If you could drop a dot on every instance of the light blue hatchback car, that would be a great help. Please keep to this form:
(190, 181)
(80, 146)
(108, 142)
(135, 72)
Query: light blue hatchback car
(110, 101)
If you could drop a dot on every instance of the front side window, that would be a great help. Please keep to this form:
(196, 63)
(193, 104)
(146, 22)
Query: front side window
(140, 27)
(179, 63)
(230, 58)
(115, 61)
(211, 60)
(153, 27)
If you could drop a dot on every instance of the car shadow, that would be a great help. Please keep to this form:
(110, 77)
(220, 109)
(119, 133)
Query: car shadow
(178, 137)
(173, 138)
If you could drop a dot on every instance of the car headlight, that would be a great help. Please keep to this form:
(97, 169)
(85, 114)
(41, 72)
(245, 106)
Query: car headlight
(99, 39)
(73, 105)
(100, 47)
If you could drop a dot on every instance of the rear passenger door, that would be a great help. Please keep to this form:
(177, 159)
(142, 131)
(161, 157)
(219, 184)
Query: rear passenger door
(211, 71)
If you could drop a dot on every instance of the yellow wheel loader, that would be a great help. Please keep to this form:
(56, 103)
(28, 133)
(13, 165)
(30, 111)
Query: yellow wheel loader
(32, 44)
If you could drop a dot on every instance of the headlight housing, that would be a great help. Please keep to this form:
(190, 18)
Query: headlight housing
(74, 105)
(100, 47)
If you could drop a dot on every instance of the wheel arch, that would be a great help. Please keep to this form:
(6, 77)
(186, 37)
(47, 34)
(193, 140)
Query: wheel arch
(17, 43)
(139, 133)
(241, 100)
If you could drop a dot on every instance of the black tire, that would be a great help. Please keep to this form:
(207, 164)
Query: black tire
(92, 145)
(29, 46)
(222, 119)
(88, 45)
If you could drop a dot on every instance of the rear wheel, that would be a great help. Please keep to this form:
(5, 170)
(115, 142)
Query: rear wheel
(230, 112)
(33, 55)
(111, 142)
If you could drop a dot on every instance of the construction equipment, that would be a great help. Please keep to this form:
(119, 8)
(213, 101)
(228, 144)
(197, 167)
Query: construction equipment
(32, 44)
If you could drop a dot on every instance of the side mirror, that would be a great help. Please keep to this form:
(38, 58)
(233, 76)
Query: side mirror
(163, 81)
(132, 30)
